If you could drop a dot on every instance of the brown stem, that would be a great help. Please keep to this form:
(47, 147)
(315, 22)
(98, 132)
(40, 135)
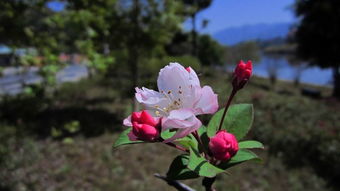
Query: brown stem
(178, 185)
(199, 140)
(177, 147)
(208, 182)
(232, 94)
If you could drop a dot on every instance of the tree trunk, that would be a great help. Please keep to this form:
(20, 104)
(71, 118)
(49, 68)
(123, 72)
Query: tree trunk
(133, 62)
(133, 52)
(336, 83)
(194, 34)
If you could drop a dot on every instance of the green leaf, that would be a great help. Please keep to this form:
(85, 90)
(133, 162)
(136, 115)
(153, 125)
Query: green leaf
(178, 169)
(68, 140)
(250, 145)
(238, 120)
(123, 139)
(167, 134)
(199, 165)
(202, 130)
(188, 141)
(241, 156)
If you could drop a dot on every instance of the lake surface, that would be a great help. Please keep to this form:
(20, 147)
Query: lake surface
(285, 71)
(14, 79)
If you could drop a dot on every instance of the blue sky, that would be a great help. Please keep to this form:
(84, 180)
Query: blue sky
(56, 6)
(229, 13)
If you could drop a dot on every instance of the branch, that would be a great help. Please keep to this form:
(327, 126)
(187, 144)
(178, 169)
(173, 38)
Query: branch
(208, 182)
(178, 185)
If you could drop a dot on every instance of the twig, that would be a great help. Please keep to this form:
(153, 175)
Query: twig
(208, 182)
(199, 140)
(177, 147)
(178, 185)
(234, 91)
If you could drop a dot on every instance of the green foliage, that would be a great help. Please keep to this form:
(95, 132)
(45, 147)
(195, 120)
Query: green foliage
(317, 33)
(72, 127)
(123, 139)
(250, 145)
(201, 166)
(243, 51)
(178, 169)
(167, 134)
(210, 52)
(238, 120)
(290, 125)
(188, 142)
(241, 156)
(152, 66)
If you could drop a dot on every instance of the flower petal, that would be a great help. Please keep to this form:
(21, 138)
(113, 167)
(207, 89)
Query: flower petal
(184, 120)
(127, 121)
(151, 98)
(207, 103)
(174, 80)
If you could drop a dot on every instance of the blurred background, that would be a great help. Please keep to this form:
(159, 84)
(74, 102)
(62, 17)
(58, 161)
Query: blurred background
(68, 69)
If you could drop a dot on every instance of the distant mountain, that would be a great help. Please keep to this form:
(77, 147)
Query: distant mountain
(234, 35)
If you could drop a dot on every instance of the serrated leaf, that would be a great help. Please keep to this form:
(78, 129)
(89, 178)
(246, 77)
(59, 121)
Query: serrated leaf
(178, 169)
(201, 166)
(188, 141)
(123, 139)
(238, 120)
(167, 134)
(241, 156)
(250, 145)
(201, 130)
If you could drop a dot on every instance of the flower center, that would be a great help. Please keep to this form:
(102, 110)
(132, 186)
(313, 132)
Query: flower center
(174, 102)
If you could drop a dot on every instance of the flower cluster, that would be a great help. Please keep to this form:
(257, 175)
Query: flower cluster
(170, 115)
(179, 99)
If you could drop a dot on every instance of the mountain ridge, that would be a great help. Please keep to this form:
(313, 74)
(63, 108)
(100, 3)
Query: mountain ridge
(261, 31)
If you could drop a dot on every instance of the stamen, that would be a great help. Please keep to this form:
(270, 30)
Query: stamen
(157, 113)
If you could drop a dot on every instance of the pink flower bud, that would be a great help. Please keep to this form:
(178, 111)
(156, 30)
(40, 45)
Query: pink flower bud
(223, 145)
(242, 74)
(145, 132)
(144, 126)
(188, 69)
(143, 117)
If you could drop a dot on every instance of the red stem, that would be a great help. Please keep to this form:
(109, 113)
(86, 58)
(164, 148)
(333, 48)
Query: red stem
(232, 94)
(176, 146)
(199, 140)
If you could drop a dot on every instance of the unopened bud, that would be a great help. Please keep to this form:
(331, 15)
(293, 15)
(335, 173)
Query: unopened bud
(242, 74)
(145, 132)
(144, 126)
(223, 145)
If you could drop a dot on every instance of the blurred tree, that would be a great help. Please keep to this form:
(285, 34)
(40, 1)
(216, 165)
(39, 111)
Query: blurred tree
(17, 18)
(243, 51)
(26, 24)
(318, 35)
(146, 27)
(195, 7)
(210, 52)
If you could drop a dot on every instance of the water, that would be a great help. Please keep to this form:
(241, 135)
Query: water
(13, 79)
(285, 71)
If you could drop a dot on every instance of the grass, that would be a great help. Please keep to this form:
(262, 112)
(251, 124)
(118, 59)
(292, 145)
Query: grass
(33, 160)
